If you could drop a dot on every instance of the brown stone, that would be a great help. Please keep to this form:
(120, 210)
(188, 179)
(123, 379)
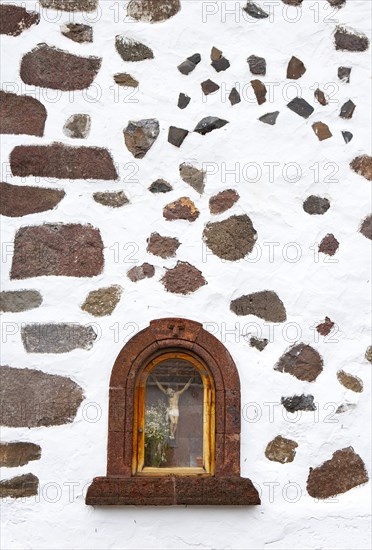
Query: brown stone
(153, 11)
(32, 398)
(232, 239)
(234, 97)
(363, 166)
(266, 305)
(63, 162)
(292, 2)
(316, 205)
(70, 5)
(325, 328)
(298, 403)
(351, 41)
(20, 300)
(341, 473)
(125, 79)
(77, 32)
(209, 87)
(140, 136)
(329, 245)
(176, 136)
(15, 19)
(21, 200)
(57, 338)
(281, 450)
(50, 67)
(321, 130)
(257, 65)
(223, 201)
(347, 110)
(132, 50)
(22, 486)
(70, 250)
(183, 279)
(113, 199)
(350, 382)
(320, 97)
(258, 343)
(301, 361)
(165, 247)
(260, 91)
(102, 302)
(17, 454)
(295, 68)
(193, 176)
(366, 227)
(140, 272)
(368, 354)
(187, 66)
(21, 115)
(181, 209)
(77, 126)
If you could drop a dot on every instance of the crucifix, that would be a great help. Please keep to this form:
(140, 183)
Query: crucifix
(173, 409)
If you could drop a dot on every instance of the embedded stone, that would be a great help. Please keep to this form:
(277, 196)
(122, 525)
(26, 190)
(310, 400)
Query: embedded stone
(265, 304)
(314, 205)
(77, 126)
(348, 136)
(219, 63)
(255, 11)
(337, 3)
(349, 381)
(70, 5)
(321, 131)
(21, 200)
(325, 328)
(350, 40)
(57, 338)
(15, 301)
(19, 453)
(232, 239)
(183, 279)
(132, 50)
(208, 124)
(140, 272)
(182, 209)
(49, 67)
(126, 80)
(281, 450)
(269, 118)
(23, 486)
(113, 199)
(140, 136)
(366, 227)
(344, 471)
(21, 114)
(183, 101)
(176, 136)
(343, 74)
(193, 176)
(102, 302)
(320, 97)
(70, 250)
(347, 110)
(345, 407)
(257, 65)
(165, 247)
(295, 68)
(258, 343)
(260, 91)
(363, 166)
(187, 66)
(329, 245)
(298, 403)
(368, 354)
(153, 11)
(63, 162)
(160, 186)
(223, 201)
(209, 87)
(16, 19)
(32, 398)
(292, 2)
(77, 32)
(234, 97)
(301, 361)
(300, 107)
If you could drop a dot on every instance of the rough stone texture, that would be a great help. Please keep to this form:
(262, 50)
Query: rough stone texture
(153, 11)
(269, 118)
(187, 66)
(329, 245)
(22, 486)
(77, 32)
(258, 343)
(368, 354)
(183, 101)
(132, 50)
(20, 200)
(16, 19)
(219, 63)
(350, 382)
(113, 199)
(347, 110)
(321, 130)
(320, 97)
(234, 97)
(366, 227)
(351, 41)
(71, 250)
(281, 450)
(165, 247)
(50, 67)
(77, 126)
(102, 302)
(298, 403)
(292, 2)
(183, 279)
(209, 87)
(57, 338)
(343, 74)
(223, 201)
(255, 11)
(62, 161)
(70, 5)
(181, 209)
(363, 166)
(15, 301)
(257, 65)
(232, 239)
(20, 114)
(160, 186)
(348, 136)
(345, 407)
(126, 80)
(295, 68)
(260, 91)
(316, 205)
(337, 3)
(176, 136)
(325, 328)
(301, 361)
(300, 107)
(193, 176)
(17, 454)
(140, 272)
(140, 136)
(341, 473)
(32, 398)
(266, 305)
(208, 124)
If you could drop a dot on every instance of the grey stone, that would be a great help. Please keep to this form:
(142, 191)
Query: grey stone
(258, 343)
(344, 74)
(366, 227)
(350, 40)
(348, 136)
(193, 176)
(257, 65)
(298, 403)
(176, 136)
(265, 304)
(20, 300)
(234, 97)
(208, 124)
(140, 136)
(153, 11)
(22, 486)
(300, 107)
(160, 186)
(77, 32)
(132, 50)
(301, 361)
(15, 454)
(347, 110)
(183, 101)
(57, 338)
(269, 118)
(255, 11)
(187, 66)
(70, 5)
(77, 126)
(113, 199)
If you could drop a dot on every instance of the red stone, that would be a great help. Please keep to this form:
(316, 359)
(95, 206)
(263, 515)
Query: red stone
(21, 115)
(21, 200)
(15, 19)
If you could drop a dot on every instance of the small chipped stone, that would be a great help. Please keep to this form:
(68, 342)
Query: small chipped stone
(19, 300)
(183, 101)
(368, 354)
(57, 338)
(257, 65)
(150, 11)
(187, 66)
(77, 32)
(219, 63)
(265, 304)
(209, 87)
(325, 328)
(160, 186)
(363, 166)
(298, 403)
(258, 343)
(181, 209)
(348, 136)
(77, 126)
(329, 245)
(366, 227)
(140, 136)
(321, 130)
(281, 450)
(255, 11)
(15, 454)
(320, 97)
(343, 74)
(113, 199)
(193, 176)
(301, 107)
(234, 97)
(301, 361)
(126, 80)
(269, 118)
(350, 382)
(141, 272)
(132, 50)
(232, 239)
(176, 136)
(102, 302)
(183, 279)
(164, 247)
(295, 68)
(350, 40)
(208, 124)
(347, 110)
(22, 486)
(223, 201)
(260, 91)
(314, 205)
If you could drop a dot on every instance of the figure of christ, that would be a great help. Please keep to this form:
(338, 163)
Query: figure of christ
(173, 409)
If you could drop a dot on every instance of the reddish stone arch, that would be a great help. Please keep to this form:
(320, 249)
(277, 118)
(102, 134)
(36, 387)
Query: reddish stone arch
(120, 486)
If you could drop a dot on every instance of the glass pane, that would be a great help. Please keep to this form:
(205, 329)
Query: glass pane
(174, 415)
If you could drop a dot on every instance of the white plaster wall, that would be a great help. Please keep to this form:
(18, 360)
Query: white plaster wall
(310, 289)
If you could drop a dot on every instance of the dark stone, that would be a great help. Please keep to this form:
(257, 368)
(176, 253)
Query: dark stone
(140, 136)
(258, 343)
(19, 453)
(321, 131)
(234, 97)
(183, 101)
(176, 136)
(140, 272)
(348, 136)
(216, 54)
(77, 126)
(71, 250)
(281, 450)
(341, 473)
(269, 118)
(344, 74)
(316, 205)
(209, 87)
(21, 115)
(182, 209)
(347, 110)
(22, 486)
(223, 201)
(63, 162)
(70, 5)
(193, 176)
(20, 300)
(232, 239)
(208, 124)
(344, 407)
(49, 67)
(113, 199)
(329, 245)
(298, 403)
(260, 91)
(32, 398)
(57, 338)
(349, 381)
(320, 97)
(219, 62)
(368, 354)
(366, 227)
(300, 107)
(160, 186)
(126, 80)
(337, 3)
(21, 200)
(165, 247)
(301, 361)
(363, 166)
(295, 68)
(257, 65)
(292, 2)
(153, 11)
(189, 64)
(266, 304)
(255, 11)
(78, 32)
(102, 302)
(183, 279)
(346, 40)
(132, 50)
(15, 19)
